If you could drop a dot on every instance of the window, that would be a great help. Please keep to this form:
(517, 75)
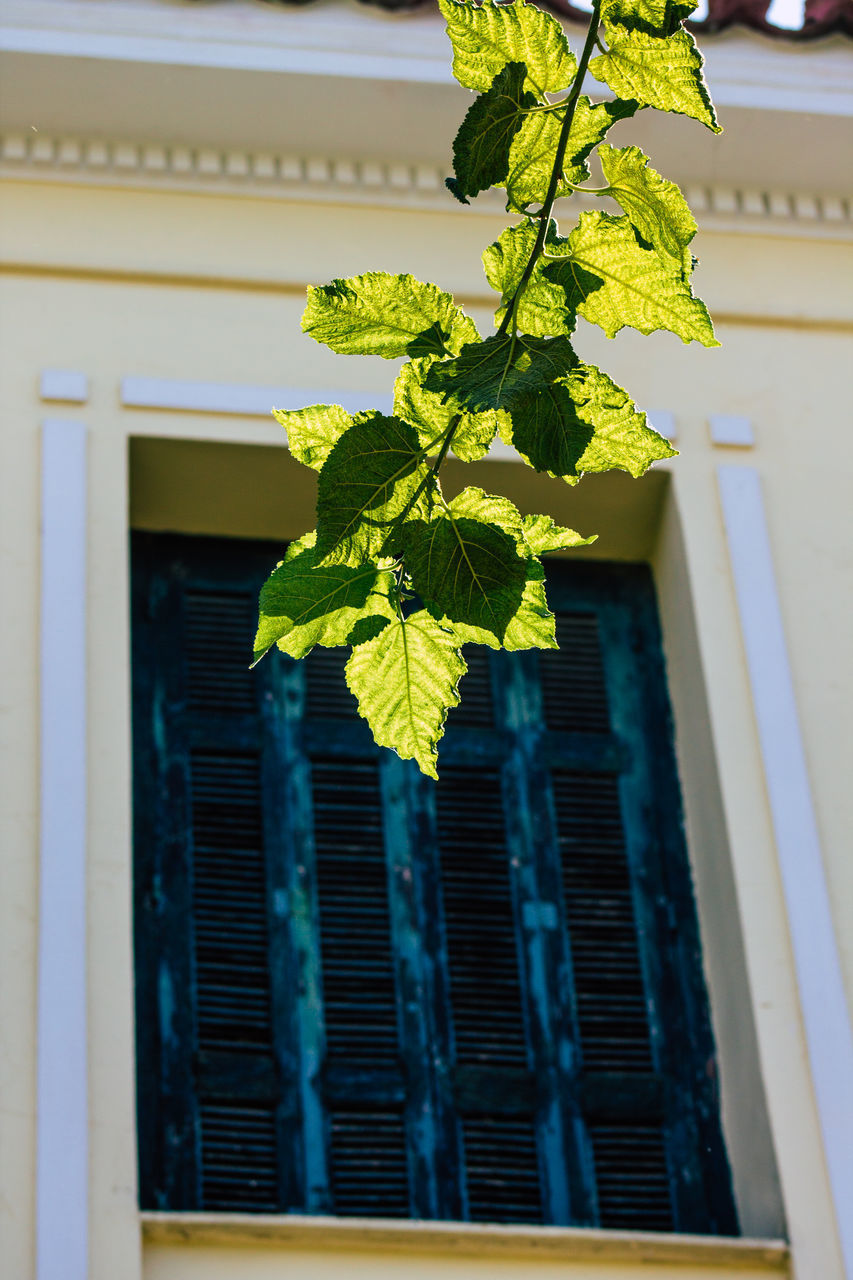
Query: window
(361, 992)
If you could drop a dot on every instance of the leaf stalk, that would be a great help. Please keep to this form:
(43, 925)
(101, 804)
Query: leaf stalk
(432, 474)
(544, 214)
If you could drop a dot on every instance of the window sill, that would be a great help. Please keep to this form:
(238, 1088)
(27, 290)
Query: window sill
(461, 1239)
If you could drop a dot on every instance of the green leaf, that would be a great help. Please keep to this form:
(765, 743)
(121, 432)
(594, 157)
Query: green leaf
(379, 314)
(405, 680)
(493, 374)
(655, 206)
(541, 534)
(531, 158)
(657, 72)
(625, 284)
(469, 564)
(548, 434)
(584, 423)
(486, 37)
(368, 480)
(312, 433)
(482, 145)
(657, 17)
(304, 603)
(431, 415)
(532, 152)
(532, 626)
(547, 307)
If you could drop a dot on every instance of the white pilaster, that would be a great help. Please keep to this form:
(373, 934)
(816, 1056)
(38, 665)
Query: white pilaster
(822, 1000)
(62, 1175)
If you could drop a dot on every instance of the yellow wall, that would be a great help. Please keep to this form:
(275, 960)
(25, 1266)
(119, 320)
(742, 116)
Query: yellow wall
(116, 282)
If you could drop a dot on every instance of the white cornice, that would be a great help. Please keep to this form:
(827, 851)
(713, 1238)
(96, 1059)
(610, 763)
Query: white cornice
(335, 79)
(325, 179)
(341, 39)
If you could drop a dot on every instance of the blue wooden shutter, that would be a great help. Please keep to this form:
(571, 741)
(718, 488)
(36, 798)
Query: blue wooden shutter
(471, 861)
(643, 1067)
(574, 1051)
(361, 1083)
(215, 1032)
(362, 993)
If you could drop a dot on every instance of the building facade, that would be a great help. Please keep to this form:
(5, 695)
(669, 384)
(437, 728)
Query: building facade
(175, 174)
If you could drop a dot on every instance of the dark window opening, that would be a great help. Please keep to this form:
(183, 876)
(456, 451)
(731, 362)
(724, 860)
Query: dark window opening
(360, 992)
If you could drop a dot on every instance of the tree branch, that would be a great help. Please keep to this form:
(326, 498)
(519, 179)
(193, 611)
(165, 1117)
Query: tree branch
(544, 214)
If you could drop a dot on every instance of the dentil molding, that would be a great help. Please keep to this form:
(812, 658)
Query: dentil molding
(263, 174)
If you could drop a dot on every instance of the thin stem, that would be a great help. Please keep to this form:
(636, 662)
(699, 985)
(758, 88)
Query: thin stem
(544, 214)
(442, 453)
(432, 474)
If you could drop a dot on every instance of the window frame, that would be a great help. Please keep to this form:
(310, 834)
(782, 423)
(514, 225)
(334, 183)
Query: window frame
(662, 765)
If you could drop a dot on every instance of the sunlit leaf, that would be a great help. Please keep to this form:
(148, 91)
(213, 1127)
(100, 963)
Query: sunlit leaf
(657, 72)
(656, 207)
(405, 679)
(367, 482)
(312, 433)
(626, 284)
(469, 564)
(584, 423)
(531, 156)
(482, 145)
(541, 534)
(657, 17)
(487, 36)
(547, 307)
(379, 314)
(431, 415)
(304, 603)
(493, 374)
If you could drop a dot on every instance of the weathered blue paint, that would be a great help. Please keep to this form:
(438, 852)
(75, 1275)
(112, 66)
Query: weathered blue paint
(567, 1076)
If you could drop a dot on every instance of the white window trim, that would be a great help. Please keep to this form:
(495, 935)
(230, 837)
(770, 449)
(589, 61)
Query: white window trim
(818, 968)
(62, 1126)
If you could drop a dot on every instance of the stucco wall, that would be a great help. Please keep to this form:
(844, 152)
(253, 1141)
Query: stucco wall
(117, 282)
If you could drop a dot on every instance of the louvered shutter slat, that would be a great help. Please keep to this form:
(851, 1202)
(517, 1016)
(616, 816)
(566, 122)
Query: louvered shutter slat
(224, 1073)
(238, 1142)
(502, 1169)
(369, 1164)
(632, 1177)
(327, 696)
(632, 1184)
(215, 630)
(484, 974)
(355, 931)
(499, 1150)
(476, 708)
(239, 1158)
(574, 692)
(602, 929)
(231, 968)
(363, 1082)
